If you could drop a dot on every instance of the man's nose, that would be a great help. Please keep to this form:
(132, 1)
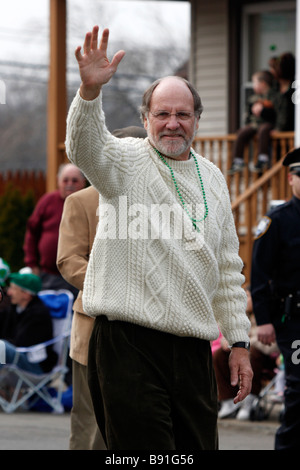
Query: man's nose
(173, 122)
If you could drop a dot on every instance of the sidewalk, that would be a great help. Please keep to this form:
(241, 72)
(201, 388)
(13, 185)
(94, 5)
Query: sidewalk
(34, 431)
(46, 431)
(247, 435)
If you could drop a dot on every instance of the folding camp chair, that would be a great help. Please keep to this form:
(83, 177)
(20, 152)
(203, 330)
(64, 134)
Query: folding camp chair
(29, 387)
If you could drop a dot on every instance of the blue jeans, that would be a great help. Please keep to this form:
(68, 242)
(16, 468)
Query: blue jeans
(19, 359)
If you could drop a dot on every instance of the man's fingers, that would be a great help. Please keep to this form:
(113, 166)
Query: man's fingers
(78, 54)
(234, 378)
(87, 43)
(117, 59)
(104, 40)
(240, 372)
(95, 68)
(94, 38)
(237, 398)
(244, 390)
(266, 339)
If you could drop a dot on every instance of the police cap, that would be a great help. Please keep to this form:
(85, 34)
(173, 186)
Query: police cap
(292, 160)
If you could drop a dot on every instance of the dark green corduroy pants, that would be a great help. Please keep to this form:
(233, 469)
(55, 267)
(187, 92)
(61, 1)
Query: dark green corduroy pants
(152, 390)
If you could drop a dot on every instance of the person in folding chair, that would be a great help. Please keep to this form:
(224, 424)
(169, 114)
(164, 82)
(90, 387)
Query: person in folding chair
(31, 323)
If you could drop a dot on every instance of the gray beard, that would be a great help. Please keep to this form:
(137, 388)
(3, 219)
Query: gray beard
(169, 149)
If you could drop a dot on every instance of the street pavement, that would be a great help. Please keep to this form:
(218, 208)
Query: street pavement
(46, 431)
(247, 435)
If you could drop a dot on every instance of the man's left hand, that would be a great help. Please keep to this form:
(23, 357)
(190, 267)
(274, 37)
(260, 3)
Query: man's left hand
(240, 372)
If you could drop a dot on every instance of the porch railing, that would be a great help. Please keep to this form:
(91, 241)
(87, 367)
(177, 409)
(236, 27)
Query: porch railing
(251, 194)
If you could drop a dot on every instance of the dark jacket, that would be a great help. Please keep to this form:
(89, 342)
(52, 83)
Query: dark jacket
(32, 326)
(276, 260)
(285, 111)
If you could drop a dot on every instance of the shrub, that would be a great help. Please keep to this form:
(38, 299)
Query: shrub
(15, 210)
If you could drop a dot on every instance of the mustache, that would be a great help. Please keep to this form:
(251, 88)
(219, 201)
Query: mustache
(172, 134)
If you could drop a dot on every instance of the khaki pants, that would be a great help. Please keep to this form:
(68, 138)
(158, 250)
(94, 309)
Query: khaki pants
(85, 434)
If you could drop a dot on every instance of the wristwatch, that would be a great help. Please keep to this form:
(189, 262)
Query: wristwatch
(241, 344)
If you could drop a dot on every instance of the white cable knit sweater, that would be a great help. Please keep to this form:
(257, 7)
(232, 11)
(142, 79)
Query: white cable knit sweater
(182, 282)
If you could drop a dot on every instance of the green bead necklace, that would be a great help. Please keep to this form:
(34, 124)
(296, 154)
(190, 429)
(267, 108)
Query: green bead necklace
(179, 193)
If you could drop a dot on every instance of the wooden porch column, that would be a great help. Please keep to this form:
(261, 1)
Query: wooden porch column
(57, 92)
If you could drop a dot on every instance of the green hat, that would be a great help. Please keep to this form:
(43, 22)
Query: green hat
(26, 281)
(4, 271)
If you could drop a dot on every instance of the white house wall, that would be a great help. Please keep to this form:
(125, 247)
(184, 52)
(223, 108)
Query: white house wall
(209, 62)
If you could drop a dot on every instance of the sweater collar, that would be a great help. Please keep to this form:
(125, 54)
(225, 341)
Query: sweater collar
(175, 164)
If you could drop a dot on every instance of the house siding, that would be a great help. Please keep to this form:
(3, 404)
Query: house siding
(208, 67)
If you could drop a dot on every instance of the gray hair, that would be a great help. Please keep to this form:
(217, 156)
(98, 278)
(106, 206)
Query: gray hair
(65, 165)
(144, 109)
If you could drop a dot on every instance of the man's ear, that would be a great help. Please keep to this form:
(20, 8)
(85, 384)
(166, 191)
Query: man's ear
(145, 123)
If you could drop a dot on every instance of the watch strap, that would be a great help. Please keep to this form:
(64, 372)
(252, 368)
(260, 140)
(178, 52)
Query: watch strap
(241, 344)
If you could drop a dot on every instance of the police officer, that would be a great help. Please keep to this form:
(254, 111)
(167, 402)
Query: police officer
(275, 289)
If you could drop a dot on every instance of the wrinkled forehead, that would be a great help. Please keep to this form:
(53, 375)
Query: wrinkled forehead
(172, 93)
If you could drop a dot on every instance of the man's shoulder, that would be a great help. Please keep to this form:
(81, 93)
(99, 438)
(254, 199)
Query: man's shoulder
(273, 218)
(83, 201)
(83, 194)
(280, 210)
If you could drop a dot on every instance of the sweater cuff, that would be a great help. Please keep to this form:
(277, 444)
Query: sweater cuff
(86, 106)
(237, 336)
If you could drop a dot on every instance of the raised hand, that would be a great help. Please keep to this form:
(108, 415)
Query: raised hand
(94, 66)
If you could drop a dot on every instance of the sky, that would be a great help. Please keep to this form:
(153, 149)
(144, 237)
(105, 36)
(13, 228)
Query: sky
(24, 25)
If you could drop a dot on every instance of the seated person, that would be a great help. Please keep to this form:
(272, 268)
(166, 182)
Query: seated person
(30, 324)
(283, 102)
(260, 120)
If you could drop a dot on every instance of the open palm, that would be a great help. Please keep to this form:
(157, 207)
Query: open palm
(94, 66)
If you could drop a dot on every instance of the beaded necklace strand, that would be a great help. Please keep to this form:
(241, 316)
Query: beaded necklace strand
(179, 193)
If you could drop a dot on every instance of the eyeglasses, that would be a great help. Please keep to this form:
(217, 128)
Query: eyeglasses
(180, 116)
(297, 173)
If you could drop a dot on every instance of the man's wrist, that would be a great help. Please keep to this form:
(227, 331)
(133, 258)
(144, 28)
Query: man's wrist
(241, 344)
(89, 93)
